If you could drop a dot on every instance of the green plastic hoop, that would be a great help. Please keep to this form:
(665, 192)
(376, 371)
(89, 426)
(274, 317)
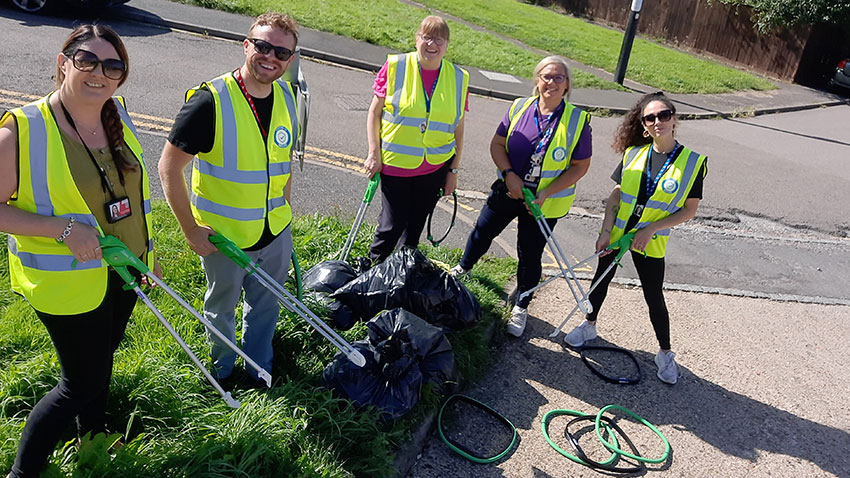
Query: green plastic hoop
(614, 447)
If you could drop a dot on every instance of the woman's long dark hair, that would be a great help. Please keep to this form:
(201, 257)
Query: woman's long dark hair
(630, 131)
(109, 116)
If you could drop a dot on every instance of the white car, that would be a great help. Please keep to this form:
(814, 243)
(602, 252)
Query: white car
(842, 74)
(35, 6)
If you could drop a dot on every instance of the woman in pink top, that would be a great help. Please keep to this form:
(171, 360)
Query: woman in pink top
(423, 83)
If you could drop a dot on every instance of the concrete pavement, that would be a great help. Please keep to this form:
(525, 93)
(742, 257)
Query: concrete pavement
(357, 54)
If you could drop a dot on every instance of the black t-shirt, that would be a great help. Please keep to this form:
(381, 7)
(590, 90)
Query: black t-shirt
(194, 132)
(656, 161)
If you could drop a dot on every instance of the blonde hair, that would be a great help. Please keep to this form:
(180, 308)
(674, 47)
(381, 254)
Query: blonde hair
(280, 21)
(434, 26)
(554, 60)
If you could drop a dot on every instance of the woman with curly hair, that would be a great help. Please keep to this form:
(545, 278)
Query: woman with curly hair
(659, 185)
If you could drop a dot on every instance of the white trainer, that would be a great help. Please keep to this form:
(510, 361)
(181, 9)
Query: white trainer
(668, 370)
(458, 271)
(584, 332)
(516, 324)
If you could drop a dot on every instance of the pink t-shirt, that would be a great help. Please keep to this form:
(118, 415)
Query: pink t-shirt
(429, 78)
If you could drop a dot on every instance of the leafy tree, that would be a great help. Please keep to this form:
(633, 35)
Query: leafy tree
(769, 14)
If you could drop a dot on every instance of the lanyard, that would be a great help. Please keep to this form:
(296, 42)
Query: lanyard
(433, 87)
(238, 75)
(104, 181)
(650, 183)
(544, 137)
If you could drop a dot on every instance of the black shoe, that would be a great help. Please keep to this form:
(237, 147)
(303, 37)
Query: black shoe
(230, 382)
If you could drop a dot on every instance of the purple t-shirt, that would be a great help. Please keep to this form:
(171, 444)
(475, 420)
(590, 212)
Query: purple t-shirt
(525, 136)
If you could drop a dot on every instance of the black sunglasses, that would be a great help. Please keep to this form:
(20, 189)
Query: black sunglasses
(85, 60)
(264, 48)
(662, 116)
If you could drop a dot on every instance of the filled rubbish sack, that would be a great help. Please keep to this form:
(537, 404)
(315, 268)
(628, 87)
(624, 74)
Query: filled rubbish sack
(407, 279)
(403, 353)
(322, 280)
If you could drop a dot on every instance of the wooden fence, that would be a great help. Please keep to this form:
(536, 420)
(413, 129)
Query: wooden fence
(718, 30)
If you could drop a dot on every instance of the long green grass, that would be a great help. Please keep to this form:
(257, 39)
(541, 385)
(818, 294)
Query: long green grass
(175, 425)
(650, 63)
(392, 24)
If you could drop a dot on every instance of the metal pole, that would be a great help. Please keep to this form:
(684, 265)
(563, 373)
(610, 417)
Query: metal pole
(628, 39)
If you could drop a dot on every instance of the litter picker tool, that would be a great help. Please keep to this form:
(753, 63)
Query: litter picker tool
(237, 255)
(361, 213)
(560, 258)
(623, 244)
(116, 254)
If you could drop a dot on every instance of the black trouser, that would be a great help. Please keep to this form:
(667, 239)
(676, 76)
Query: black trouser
(405, 205)
(495, 216)
(85, 344)
(651, 273)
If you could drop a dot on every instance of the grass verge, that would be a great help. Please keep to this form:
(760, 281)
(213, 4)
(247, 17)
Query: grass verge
(174, 424)
(650, 63)
(367, 20)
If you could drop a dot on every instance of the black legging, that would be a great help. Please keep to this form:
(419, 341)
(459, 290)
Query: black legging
(85, 344)
(651, 273)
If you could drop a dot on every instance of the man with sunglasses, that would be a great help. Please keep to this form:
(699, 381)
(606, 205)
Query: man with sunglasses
(239, 128)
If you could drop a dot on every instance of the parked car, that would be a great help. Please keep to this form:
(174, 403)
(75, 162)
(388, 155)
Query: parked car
(842, 74)
(35, 6)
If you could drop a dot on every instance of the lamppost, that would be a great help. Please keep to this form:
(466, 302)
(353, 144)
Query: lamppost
(628, 39)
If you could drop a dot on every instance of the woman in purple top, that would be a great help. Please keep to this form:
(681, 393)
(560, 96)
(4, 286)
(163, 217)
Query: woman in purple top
(544, 144)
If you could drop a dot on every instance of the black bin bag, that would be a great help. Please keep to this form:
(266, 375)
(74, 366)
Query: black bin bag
(340, 315)
(403, 352)
(407, 279)
(323, 279)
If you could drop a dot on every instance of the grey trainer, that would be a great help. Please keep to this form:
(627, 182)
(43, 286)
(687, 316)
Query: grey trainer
(584, 332)
(668, 370)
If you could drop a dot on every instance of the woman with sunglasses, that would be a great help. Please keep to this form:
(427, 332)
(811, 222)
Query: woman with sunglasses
(659, 185)
(415, 135)
(71, 171)
(543, 144)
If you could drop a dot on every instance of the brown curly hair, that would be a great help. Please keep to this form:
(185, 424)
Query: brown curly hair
(109, 116)
(630, 131)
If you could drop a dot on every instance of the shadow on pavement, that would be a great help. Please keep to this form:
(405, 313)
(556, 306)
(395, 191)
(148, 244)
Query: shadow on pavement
(70, 18)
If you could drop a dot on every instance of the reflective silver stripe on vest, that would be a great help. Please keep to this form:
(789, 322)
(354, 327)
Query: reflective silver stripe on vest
(552, 173)
(229, 135)
(150, 245)
(147, 206)
(662, 232)
(290, 106)
(415, 122)
(631, 156)
(230, 212)
(125, 116)
(572, 126)
(399, 82)
(459, 94)
(275, 203)
(444, 149)
(565, 193)
(627, 198)
(51, 262)
(621, 223)
(653, 204)
(279, 169)
(690, 170)
(403, 149)
(38, 160)
(232, 175)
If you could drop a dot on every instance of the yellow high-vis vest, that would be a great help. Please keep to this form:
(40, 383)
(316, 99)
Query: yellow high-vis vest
(558, 155)
(41, 269)
(243, 178)
(409, 134)
(669, 196)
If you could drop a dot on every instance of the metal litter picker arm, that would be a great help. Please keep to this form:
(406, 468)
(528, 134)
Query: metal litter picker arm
(560, 257)
(116, 254)
(361, 213)
(237, 255)
(623, 244)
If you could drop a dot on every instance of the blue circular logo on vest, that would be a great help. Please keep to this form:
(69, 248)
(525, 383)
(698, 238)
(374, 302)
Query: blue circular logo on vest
(669, 185)
(559, 154)
(282, 137)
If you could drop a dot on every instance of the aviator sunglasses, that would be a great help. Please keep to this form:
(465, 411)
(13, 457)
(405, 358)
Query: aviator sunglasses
(264, 48)
(85, 60)
(662, 116)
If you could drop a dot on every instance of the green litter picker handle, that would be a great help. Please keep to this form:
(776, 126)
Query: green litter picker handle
(231, 250)
(299, 283)
(372, 188)
(624, 244)
(529, 200)
(116, 254)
